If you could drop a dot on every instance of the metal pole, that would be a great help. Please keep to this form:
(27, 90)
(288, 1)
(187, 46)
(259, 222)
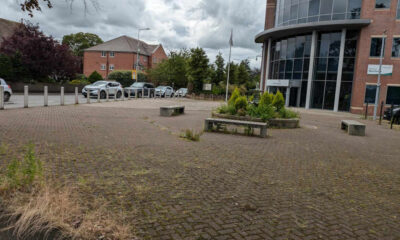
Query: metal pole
(62, 96)
(137, 55)
(46, 96)
(1, 97)
(378, 85)
(76, 95)
(26, 98)
(229, 69)
(380, 116)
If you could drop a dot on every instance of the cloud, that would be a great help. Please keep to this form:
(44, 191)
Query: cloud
(174, 23)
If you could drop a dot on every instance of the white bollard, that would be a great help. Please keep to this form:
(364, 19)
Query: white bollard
(46, 96)
(26, 90)
(62, 97)
(98, 96)
(107, 95)
(76, 95)
(115, 96)
(1, 97)
(129, 93)
(136, 93)
(123, 94)
(88, 97)
(142, 92)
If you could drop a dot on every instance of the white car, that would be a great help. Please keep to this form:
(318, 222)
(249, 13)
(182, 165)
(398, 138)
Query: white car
(7, 90)
(181, 92)
(101, 87)
(164, 91)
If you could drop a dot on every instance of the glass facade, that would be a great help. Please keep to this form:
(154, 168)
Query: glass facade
(290, 59)
(291, 12)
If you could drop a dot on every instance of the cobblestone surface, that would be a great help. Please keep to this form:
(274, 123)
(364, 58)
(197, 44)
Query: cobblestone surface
(315, 182)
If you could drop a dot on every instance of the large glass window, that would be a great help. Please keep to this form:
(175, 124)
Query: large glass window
(370, 94)
(396, 47)
(382, 4)
(393, 95)
(398, 10)
(291, 12)
(376, 46)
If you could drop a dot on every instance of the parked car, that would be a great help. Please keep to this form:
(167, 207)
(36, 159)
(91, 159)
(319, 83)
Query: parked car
(396, 113)
(181, 92)
(141, 88)
(100, 87)
(7, 90)
(164, 91)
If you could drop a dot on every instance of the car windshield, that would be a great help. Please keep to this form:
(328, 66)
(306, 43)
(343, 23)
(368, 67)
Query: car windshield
(137, 85)
(183, 90)
(162, 87)
(99, 83)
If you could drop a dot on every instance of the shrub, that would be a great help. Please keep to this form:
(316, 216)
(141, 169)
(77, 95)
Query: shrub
(235, 95)
(123, 77)
(227, 109)
(279, 101)
(265, 112)
(287, 113)
(241, 103)
(95, 76)
(81, 76)
(266, 99)
(217, 90)
(251, 98)
(79, 82)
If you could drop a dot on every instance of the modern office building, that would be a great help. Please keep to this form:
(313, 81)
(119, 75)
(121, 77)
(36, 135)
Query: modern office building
(325, 54)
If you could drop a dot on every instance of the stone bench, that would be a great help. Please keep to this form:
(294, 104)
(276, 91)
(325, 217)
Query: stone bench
(353, 127)
(170, 111)
(210, 122)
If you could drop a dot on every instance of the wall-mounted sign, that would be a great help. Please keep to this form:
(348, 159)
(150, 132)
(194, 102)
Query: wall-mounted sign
(207, 87)
(373, 69)
(277, 83)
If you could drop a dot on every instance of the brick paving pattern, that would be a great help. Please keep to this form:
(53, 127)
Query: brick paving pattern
(315, 182)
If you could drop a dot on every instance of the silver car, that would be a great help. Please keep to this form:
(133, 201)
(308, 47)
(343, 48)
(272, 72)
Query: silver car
(181, 92)
(7, 90)
(164, 91)
(101, 87)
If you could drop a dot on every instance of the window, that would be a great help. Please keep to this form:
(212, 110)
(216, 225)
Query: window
(103, 67)
(393, 95)
(112, 54)
(398, 10)
(396, 47)
(370, 94)
(382, 4)
(103, 54)
(376, 46)
(111, 67)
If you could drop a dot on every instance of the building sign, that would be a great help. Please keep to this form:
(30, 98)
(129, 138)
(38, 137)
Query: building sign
(134, 74)
(207, 87)
(374, 69)
(277, 83)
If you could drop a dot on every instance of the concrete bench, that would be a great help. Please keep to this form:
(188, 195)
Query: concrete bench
(353, 127)
(210, 122)
(170, 111)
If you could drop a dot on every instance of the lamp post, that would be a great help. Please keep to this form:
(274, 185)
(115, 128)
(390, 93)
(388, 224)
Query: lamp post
(138, 51)
(378, 84)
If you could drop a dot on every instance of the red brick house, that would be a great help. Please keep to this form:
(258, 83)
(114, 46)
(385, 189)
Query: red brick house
(121, 54)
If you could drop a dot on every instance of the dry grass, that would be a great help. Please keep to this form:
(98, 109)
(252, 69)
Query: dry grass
(58, 214)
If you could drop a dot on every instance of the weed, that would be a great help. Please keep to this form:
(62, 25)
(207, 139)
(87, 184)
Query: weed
(191, 135)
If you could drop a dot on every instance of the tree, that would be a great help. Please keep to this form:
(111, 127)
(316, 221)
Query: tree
(94, 77)
(31, 5)
(197, 68)
(219, 70)
(41, 56)
(80, 41)
(233, 73)
(243, 72)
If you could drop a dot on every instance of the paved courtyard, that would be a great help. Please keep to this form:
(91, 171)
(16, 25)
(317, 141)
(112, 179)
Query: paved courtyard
(315, 182)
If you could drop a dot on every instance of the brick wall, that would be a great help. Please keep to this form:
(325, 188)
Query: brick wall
(381, 20)
(158, 55)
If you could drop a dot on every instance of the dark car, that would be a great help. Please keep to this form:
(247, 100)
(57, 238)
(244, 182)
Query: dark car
(143, 89)
(396, 114)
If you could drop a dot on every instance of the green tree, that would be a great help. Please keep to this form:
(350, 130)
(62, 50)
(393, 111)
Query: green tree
(219, 70)
(80, 41)
(279, 101)
(243, 72)
(198, 70)
(95, 76)
(233, 73)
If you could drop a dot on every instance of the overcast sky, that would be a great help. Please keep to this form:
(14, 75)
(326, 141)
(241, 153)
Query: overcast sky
(174, 23)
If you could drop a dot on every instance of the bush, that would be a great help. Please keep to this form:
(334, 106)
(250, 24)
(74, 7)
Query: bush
(251, 98)
(94, 77)
(265, 112)
(81, 77)
(279, 101)
(79, 82)
(227, 109)
(217, 90)
(235, 95)
(266, 99)
(123, 77)
(241, 103)
(286, 113)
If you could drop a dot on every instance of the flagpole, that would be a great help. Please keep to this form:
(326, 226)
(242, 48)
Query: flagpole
(229, 66)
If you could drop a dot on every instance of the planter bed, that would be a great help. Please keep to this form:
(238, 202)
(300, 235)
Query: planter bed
(274, 123)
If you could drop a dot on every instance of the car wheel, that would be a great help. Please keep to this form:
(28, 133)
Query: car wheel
(119, 94)
(103, 95)
(6, 96)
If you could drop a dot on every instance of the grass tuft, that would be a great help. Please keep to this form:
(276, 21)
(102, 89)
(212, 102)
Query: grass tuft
(191, 135)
